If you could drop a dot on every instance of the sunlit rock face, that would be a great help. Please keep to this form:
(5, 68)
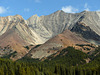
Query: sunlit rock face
(51, 25)
(37, 30)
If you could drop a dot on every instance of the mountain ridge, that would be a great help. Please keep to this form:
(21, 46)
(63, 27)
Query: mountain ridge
(40, 30)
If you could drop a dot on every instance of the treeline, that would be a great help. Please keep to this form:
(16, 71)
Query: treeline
(71, 63)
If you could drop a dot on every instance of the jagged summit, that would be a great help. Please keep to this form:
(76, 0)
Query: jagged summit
(46, 27)
(59, 11)
(17, 15)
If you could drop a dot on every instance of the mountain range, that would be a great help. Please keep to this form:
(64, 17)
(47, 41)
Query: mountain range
(40, 37)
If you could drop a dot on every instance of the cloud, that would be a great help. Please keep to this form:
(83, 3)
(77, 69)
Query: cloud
(69, 9)
(37, 1)
(3, 9)
(26, 9)
(86, 7)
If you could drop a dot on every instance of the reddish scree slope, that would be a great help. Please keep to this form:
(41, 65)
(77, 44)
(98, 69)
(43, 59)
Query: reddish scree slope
(12, 39)
(67, 38)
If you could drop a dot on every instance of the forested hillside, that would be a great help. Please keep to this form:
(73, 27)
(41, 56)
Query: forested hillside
(69, 62)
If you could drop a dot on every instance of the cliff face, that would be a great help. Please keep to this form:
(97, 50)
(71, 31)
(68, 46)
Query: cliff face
(86, 32)
(88, 26)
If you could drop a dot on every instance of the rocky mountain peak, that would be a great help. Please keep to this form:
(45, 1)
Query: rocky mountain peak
(60, 11)
(18, 16)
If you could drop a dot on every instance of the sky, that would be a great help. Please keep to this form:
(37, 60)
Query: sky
(27, 8)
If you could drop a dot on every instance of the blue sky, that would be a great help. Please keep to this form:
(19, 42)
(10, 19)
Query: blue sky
(27, 8)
